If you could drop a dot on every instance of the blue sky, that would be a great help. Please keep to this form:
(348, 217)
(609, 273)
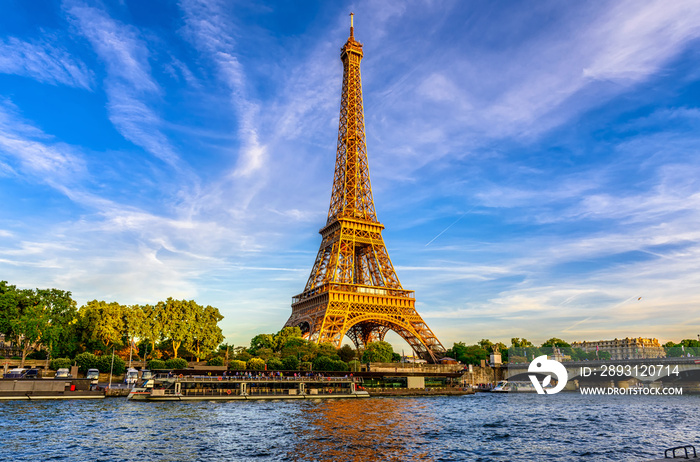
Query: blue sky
(536, 164)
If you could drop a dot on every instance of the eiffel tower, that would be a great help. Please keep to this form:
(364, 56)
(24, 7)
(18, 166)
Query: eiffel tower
(353, 289)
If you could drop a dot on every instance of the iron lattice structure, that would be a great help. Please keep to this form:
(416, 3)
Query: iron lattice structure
(353, 289)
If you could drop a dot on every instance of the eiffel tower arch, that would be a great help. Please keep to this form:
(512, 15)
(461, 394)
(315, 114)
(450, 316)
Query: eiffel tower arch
(353, 288)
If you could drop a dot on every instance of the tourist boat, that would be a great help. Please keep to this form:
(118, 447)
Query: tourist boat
(514, 386)
(11, 388)
(189, 388)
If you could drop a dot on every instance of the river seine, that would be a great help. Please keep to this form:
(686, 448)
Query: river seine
(482, 427)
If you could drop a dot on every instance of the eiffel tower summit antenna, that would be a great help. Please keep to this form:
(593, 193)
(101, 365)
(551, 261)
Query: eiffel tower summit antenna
(353, 288)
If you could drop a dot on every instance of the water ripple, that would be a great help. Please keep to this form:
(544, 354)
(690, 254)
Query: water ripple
(480, 428)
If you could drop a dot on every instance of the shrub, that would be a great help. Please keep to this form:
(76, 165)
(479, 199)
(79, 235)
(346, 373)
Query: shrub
(236, 365)
(305, 366)
(155, 364)
(216, 361)
(104, 364)
(274, 364)
(338, 365)
(176, 363)
(290, 363)
(86, 361)
(59, 363)
(323, 363)
(354, 365)
(255, 364)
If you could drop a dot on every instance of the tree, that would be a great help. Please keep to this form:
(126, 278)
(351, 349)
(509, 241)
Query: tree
(36, 318)
(346, 353)
(520, 343)
(290, 363)
(301, 349)
(485, 344)
(328, 349)
(113, 363)
(555, 342)
(152, 327)
(380, 352)
(134, 320)
(86, 361)
(176, 363)
(255, 364)
(102, 324)
(178, 318)
(282, 337)
(323, 363)
(154, 364)
(237, 365)
(261, 341)
(206, 331)
(216, 361)
(274, 364)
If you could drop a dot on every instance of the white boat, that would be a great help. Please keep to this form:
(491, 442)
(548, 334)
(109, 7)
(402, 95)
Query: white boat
(514, 386)
(190, 388)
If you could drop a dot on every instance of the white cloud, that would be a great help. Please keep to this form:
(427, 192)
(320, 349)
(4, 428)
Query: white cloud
(129, 84)
(43, 61)
(34, 153)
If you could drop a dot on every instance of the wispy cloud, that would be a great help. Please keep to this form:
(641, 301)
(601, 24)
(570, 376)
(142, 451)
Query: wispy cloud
(31, 152)
(208, 27)
(129, 84)
(43, 61)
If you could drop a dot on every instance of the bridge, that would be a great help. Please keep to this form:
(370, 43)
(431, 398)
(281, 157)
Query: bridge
(668, 371)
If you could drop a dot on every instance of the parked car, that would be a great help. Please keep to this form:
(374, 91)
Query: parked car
(94, 375)
(32, 374)
(62, 373)
(14, 373)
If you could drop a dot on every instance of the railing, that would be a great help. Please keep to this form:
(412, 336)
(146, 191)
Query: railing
(389, 291)
(240, 378)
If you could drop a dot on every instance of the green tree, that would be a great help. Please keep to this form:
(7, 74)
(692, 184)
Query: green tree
(290, 363)
(520, 343)
(207, 334)
(215, 361)
(35, 319)
(328, 349)
(60, 363)
(299, 348)
(104, 364)
(323, 363)
(485, 344)
(281, 338)
(274, 364)
(237, 365)
(102, 324)
(176, 363)
(380, 352)
(261, 341)
(156, 364)
(134, 320)
(255, 364)
(152, 327)
(178, 318)
(555, 342)
(86, 361)
(346, 353)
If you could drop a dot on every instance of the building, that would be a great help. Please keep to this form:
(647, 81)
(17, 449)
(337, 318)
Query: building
(627, 348)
